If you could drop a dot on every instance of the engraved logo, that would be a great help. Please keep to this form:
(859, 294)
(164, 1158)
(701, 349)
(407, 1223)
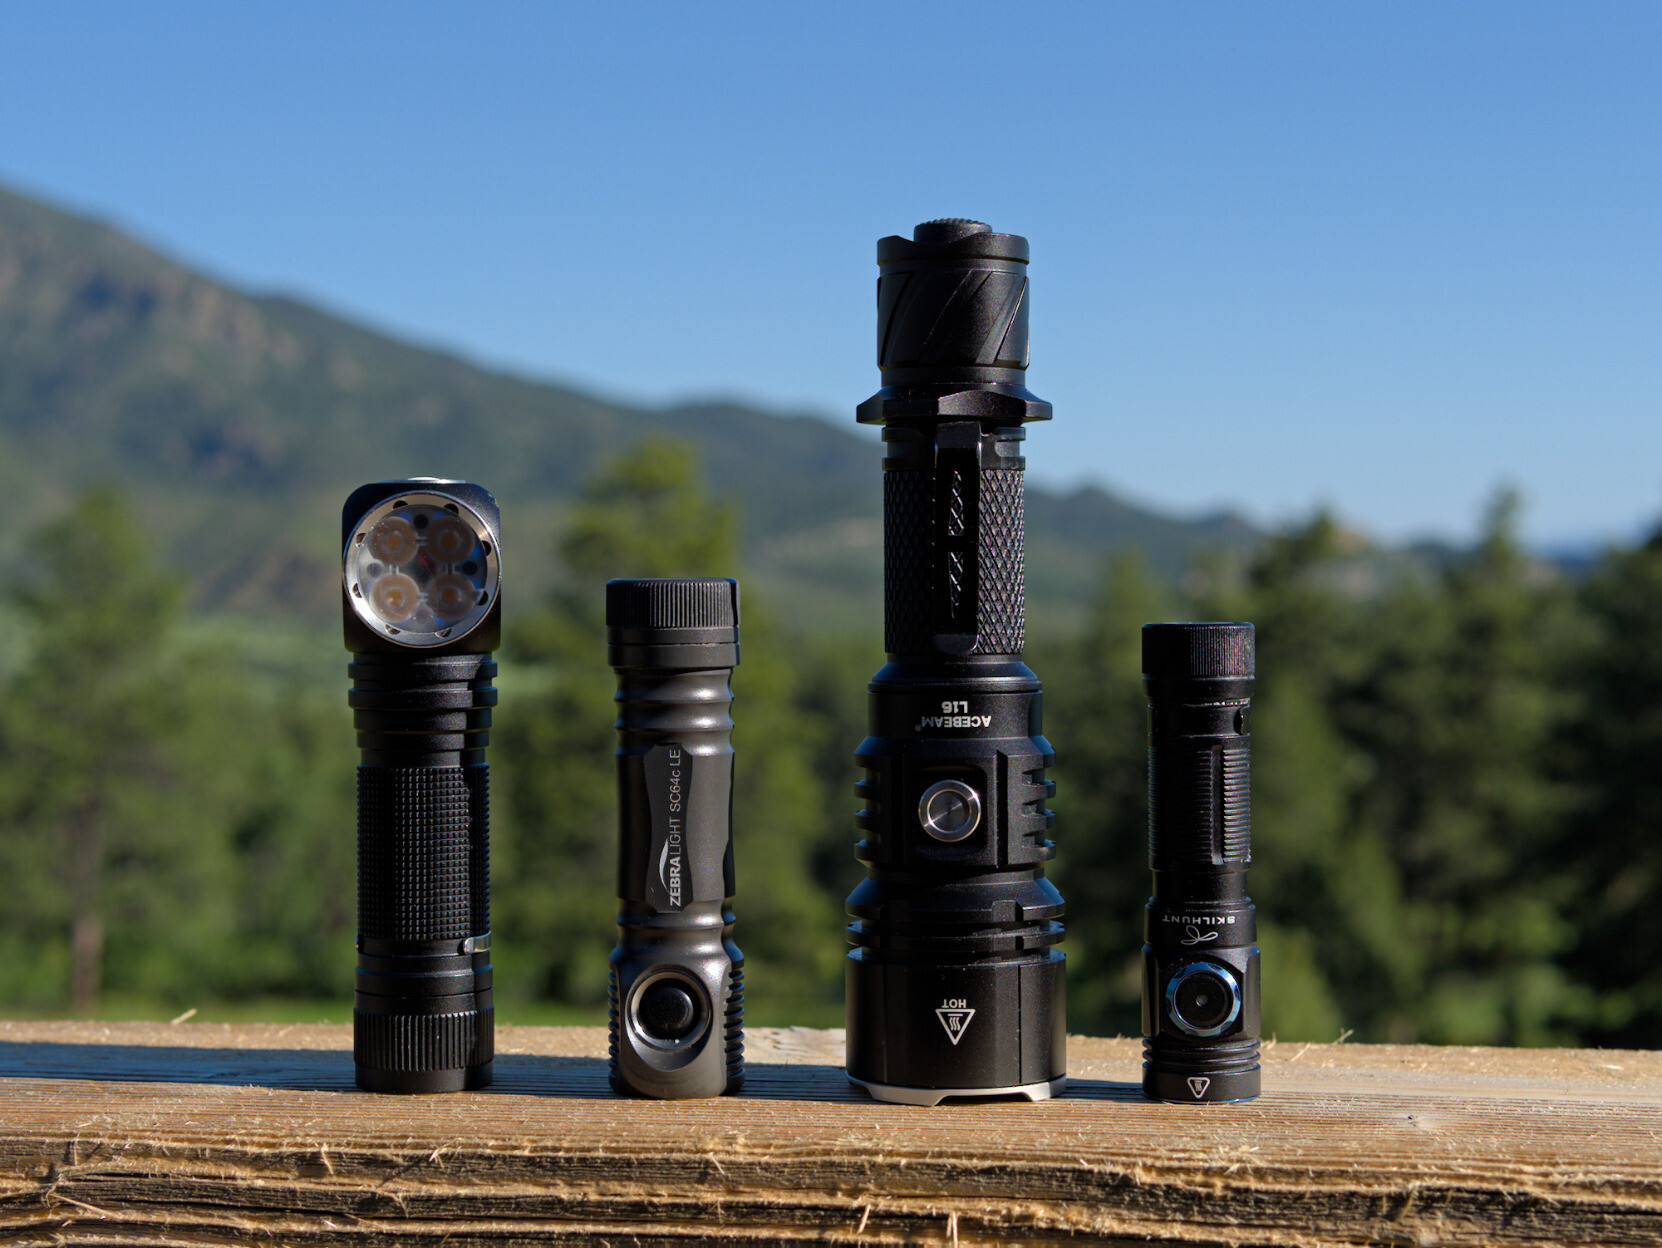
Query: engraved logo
(1197, 937)
(952, 721)
(1198, 1085)
(668, 781)
(954, 714)
(955, 1015)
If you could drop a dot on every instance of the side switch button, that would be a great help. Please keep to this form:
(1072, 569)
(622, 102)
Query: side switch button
(949, 810)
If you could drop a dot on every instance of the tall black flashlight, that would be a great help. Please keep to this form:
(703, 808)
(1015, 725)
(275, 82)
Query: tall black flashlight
(955, 987)
(423, 614)
(1200, 952)
(677, 983)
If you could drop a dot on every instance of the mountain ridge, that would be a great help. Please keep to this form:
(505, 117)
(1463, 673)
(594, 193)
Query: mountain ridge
(239, 421)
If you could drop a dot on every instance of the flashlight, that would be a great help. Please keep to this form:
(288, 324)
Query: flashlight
(955, 988)
(677, 981)
(423, 613)
(1200, 952)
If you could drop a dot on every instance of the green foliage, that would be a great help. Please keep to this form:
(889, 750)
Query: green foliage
(1613, 750)
(1456, 781)
(169, 832)
(1408, 791)
(1455, 786)
(646, 514)
(641, 514)
(1094, 715)
(83, 727)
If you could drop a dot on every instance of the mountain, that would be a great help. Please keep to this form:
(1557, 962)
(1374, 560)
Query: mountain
(239, 422)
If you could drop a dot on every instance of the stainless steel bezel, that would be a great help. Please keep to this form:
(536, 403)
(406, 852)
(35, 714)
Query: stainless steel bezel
(356, 558)
(931, 820)
(1217, 971)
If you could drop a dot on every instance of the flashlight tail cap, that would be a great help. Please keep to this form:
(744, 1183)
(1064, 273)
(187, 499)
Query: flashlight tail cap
(672, 622)
(1198, 651)
(954, 238)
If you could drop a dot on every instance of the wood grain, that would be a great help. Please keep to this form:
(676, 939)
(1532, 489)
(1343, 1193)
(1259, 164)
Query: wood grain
(202, 1134)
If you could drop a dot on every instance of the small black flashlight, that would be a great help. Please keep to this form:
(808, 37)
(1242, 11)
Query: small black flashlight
(1200, 951)
(677, 982)
(423, 613)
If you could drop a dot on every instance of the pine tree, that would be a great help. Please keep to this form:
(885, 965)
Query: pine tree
(86, 729)
(646, 514)
(1615, 747)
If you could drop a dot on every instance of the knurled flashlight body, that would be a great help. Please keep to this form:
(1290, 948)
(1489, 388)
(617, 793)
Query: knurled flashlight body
(422, 615)
(1200, 952)
(677, 978)
(954, 984)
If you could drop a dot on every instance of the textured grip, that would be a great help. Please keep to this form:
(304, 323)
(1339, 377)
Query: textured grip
(423, 852)
(424, 1042)
(1199, 803)
(907, 547)
(733, 1026)
(956, 316)
(1001, 613)
(954, 552)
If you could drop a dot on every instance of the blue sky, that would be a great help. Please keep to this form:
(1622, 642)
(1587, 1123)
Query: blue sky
(1384, 257)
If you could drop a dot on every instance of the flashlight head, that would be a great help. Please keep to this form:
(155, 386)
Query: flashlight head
(420, 567)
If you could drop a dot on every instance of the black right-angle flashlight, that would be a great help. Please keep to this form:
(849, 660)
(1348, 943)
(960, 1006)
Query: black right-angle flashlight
(1200, 952)
(677, 981)
(955, 987)
(423, 613)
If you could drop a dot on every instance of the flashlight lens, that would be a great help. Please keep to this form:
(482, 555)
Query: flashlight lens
(451, 596)
(421, 568)
(449, 540)
(393, 541)
(395, 598)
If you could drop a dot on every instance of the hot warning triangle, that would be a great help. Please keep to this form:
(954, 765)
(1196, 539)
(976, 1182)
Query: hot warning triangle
(956, 1022)
(1198, 1085)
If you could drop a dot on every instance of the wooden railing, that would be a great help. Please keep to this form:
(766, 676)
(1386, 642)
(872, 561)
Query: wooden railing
(207, 1134)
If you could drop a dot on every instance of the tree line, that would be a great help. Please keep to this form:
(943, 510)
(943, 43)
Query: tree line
(1455, 783)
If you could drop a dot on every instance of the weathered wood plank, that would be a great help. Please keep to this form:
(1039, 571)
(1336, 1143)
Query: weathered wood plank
(199, 1134)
